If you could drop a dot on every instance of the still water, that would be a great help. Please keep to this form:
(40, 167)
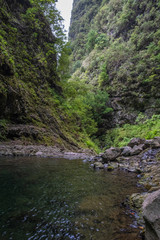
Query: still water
(45, 198)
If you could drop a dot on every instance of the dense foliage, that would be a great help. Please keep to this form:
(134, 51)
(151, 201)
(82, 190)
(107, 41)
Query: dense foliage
(33, 64)
(116, 47)
(36, 88)
(113, 78)
(127, 33)
(147, 129)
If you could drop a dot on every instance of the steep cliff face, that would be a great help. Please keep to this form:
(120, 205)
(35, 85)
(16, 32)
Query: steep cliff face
(116, 47)
(26, 64)
(29, 84)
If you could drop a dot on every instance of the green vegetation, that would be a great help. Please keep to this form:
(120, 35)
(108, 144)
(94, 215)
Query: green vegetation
(116, 48)
(121, 136)
(84, 106)
(36, 87)
(126, 34)
(91, 40)
(106, 76)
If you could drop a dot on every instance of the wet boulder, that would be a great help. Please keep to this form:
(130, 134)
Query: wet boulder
(98, 165)
(151, 215)
(111, 154)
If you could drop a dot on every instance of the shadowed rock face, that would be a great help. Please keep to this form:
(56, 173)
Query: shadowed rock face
(25, 68)
(151, 214)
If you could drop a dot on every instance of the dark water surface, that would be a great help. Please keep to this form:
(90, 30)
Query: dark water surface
(63, 199)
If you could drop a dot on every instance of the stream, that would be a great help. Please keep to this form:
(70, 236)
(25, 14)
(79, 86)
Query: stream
(47, 198)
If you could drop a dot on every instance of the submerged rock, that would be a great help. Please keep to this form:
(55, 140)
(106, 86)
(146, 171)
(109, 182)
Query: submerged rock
(110, 168)
(141, 157)
(137, 199)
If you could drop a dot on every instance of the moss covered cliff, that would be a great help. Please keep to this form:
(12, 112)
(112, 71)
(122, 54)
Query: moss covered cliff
(30, 93)
(116, 47)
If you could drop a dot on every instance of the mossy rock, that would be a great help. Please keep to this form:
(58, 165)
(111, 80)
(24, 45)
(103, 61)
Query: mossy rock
(110, 168)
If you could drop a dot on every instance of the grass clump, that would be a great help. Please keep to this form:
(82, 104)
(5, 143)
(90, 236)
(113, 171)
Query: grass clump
(121, 136)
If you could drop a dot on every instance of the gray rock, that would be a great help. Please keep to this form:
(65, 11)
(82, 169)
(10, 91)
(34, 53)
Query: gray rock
(157, 139)
(150, 154)
(126, 151)
(137, 149)
(105, 165)
(153, 143)
(111, 154)
(39, 153)
(98, 165)
(151, 215)
(135, 142)
(97, 158)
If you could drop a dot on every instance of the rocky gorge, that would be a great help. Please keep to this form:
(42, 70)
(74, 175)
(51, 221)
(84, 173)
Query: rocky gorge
(68, 100)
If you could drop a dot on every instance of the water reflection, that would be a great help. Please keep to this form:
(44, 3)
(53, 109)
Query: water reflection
(63, 199)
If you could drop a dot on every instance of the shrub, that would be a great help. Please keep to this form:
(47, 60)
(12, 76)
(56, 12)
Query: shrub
(101, 41)
(147, 129)
(103, 76)
(91, 40)
(98, 103)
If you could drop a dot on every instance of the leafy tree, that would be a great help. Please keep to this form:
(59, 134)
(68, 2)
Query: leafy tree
(101, 41)
(91, 40)
(98, 103)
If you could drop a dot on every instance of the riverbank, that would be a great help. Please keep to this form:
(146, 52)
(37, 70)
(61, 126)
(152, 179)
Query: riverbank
(143, 158)
(140, 156)
(16, 148)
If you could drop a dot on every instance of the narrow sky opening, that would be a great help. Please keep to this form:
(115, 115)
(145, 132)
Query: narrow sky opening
(65, 8)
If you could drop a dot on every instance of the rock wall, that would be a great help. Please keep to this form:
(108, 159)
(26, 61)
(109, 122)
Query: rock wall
(29, 83)
(25, 68)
